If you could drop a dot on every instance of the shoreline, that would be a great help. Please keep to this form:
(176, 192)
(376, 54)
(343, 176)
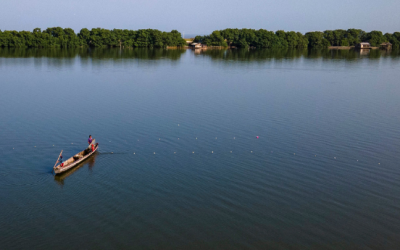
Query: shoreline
(347, 47)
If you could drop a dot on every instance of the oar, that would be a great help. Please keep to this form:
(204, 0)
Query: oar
(57, 160)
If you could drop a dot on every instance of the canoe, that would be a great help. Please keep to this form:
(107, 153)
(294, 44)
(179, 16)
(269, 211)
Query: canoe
(59, 178)
(76, 159)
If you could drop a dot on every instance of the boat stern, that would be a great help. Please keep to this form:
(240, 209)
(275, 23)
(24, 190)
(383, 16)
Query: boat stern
(57, 169)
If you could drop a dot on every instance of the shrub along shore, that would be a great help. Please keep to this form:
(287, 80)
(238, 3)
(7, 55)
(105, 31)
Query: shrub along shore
(242, 38)
(67, 38)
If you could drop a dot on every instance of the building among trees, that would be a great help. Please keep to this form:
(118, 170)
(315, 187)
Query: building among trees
(386, 45)
(197, 46)
(363, 45)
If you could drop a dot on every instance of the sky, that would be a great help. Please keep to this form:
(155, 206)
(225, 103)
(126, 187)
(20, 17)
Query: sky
(203, 16)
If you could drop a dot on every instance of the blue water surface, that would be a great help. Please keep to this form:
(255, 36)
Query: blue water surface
(179, 165)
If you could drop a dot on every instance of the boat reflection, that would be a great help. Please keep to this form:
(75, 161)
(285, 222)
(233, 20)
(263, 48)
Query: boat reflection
(90, 162)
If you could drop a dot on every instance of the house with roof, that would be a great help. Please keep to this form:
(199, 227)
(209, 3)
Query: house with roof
(197, 46)
(363, 45)
(386, 46)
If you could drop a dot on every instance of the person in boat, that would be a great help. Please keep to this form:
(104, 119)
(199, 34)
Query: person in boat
(61, 161)
(90, 140)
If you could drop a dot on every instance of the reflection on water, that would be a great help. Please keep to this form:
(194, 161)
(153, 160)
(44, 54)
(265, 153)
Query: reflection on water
(198, 51)
(175, 54)
(266, 54)
(144, 54)
(254, 55)
(365, 52)
(90, 162)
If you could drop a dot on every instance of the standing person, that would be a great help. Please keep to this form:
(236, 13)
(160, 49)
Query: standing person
(90, 139)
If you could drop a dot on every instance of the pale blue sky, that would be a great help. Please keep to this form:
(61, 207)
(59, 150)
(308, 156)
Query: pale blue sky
(203, 16)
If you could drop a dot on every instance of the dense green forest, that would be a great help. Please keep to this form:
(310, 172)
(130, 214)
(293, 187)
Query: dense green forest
(254, 38)
(280, 39)
(66, 38)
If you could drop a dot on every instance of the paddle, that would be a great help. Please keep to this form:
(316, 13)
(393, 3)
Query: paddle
(57, 159)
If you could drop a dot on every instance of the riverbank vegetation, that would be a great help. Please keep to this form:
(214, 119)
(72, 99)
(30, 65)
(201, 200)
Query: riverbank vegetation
(254, 38)
(66, 38)
(242, 38)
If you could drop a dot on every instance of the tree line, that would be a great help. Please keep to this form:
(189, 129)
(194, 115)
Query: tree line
(58, 37)
(261, 38)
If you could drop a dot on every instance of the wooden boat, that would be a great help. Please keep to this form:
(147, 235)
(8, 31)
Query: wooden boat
(59, 178)
(76, 159)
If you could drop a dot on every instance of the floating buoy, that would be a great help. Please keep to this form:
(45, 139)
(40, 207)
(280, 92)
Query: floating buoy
(315, 155)
(294, 153)
(138, 140)
(334, 158)
(234, 138)
(212, 152)
(178, 124)
(159, 139)
(215, 138)
(193, 152)
(72, 143)
(35, 146)
(112, 152)
(154, 153)
(357, 160)
(174, 152)
(196, 138)
(379, 163)
(133, 152)
(231, 152)
(257, 137)
(251, 151)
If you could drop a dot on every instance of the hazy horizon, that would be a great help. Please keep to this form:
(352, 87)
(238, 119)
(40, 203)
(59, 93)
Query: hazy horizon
(203, 18)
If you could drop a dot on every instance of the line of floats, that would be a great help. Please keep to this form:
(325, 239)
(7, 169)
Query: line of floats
(73, 161)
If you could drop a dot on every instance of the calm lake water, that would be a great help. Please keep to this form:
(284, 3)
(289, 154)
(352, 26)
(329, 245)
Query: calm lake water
(179, 165)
